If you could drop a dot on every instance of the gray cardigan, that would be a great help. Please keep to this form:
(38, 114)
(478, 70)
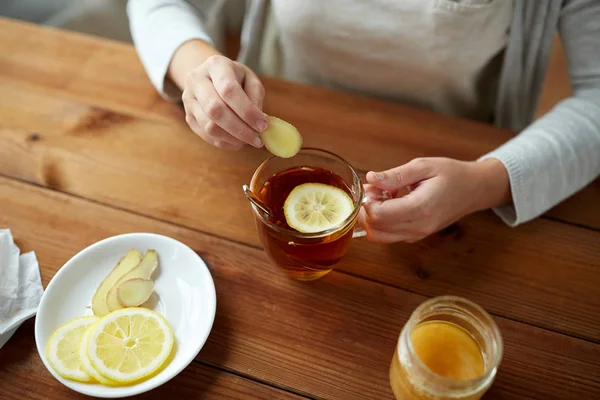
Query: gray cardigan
(548, 161)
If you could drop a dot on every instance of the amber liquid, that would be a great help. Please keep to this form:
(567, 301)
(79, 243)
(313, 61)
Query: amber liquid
(301, 258)
(446, 349)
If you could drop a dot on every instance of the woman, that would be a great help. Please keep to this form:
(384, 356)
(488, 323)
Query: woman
(480, 59)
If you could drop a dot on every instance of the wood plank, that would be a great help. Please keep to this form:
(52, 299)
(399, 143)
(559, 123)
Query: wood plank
(543, 273)
(330, 339)
(24, 376)
(164, 171)
(103, 72)
(581, 209)
(108, 75)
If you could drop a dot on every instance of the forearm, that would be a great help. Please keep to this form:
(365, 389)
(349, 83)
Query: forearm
(187, 57)
(553, 158)
(160, 28)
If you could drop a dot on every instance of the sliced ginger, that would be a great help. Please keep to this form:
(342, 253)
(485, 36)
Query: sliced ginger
(143, 271)
(281, 138)
(125, 265)
(134, 292)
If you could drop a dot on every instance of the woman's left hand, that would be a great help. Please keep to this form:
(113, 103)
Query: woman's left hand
(441, 191)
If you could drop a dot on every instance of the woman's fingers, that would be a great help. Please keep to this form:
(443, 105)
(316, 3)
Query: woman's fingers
(403, 176)
(391, 213)
(225, 100)
(255, 91)
(373, 193)
(395, 219)
(390, 237)
(208, 130)
(219, 112)
(402, 233)
(224, 145)
(227, 77)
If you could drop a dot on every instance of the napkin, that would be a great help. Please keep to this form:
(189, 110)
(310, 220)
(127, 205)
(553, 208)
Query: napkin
(20, 286)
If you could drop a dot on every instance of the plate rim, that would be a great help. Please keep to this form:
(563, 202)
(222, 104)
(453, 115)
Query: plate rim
(126, 391)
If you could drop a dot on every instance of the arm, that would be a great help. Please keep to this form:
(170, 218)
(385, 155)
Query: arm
(187, 58)
(170, 37)
(559, 154)
(222, 98)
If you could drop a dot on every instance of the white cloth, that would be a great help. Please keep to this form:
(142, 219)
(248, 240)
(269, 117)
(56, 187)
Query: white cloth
(447, 49)
(20, 286)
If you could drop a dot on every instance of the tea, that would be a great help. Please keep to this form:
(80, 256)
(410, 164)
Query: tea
(307, 258)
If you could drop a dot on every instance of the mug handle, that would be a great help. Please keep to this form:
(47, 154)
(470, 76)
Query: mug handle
(361, 231)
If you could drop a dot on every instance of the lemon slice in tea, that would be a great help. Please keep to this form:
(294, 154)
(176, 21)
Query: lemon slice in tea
(316, 207)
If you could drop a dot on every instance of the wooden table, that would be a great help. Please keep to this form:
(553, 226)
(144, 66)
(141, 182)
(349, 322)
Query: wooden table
(89, 150)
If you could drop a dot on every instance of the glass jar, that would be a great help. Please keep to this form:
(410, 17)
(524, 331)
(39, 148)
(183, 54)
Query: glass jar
(447, 325)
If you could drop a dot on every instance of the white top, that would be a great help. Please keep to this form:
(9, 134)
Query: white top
(547, 161)
(428, 53)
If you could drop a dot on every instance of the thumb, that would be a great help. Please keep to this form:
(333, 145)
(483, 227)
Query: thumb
(402, 176)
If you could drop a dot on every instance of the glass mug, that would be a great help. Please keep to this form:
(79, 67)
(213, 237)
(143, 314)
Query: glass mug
(305, 256)
(450, 348)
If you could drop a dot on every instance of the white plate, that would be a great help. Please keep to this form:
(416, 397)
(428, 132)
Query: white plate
(184, 295)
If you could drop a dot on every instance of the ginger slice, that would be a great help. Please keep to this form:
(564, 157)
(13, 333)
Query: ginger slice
(281, 138)
(134, 292)
(143, 271)
(129, 262)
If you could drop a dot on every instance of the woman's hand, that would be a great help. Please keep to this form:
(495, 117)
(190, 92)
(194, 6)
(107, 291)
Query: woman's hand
(441, 191)
(223, 103)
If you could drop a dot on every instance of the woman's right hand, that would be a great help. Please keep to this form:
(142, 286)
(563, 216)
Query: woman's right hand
(223, 103)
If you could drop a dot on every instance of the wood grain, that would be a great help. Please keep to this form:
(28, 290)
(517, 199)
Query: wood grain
(23, 374)
(103, 72)
(107, 75)
(544, 273)
(162, 170)
(331, 339)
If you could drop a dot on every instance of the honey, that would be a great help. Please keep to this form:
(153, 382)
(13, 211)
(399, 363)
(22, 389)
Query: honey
(449, 349)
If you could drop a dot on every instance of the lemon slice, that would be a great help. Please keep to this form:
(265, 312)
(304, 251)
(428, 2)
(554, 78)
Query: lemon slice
(62, 350)
(281, 138)
(316, 207)
(86, 364)
(130, 344)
